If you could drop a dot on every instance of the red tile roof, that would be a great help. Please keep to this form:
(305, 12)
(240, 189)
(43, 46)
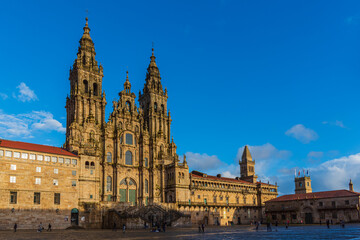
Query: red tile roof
(197, 174)
(315, 195)
(35, 147)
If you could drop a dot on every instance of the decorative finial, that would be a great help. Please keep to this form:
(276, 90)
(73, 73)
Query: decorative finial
(127, 75)
(86, 18)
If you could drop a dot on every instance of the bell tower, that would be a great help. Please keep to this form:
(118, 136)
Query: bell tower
(247, 166)
(85, 107)
(303, 185)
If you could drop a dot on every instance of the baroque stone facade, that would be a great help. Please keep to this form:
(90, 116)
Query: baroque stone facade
(127, 167)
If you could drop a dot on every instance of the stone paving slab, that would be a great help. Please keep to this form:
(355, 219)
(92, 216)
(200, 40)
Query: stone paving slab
(351, 231)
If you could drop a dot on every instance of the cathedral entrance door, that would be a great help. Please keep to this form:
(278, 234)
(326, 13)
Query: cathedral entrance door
(74, 217)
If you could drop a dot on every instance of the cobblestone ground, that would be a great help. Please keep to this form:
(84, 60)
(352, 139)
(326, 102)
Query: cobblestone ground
(351, 231)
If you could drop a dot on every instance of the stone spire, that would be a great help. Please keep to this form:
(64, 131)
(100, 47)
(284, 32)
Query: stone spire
(246, 156)
(153, 79)
(351, 187)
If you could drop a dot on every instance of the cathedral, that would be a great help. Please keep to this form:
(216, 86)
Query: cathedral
(123, 170)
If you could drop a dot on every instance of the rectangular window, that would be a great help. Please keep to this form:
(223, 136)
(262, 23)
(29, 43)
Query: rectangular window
(57, 198)
(67, 160)
(273, 217)
(73, 183)
(12, 167)
(91, 196)
(129, 139)
(13, 197)
(283, 217)
(321, 204)
(294, 216)
(12, 179)
(1, 153)
(74, 173)
(40, 157)
(221, 198)
(334, 215)
(32, 156)
(237, 200)
(322, 215)
(91, 172)
(61, 160)
(16, 154)
(54, 159)
(36, 198)
(38, 169)
(198, 196)
(47, 158)
(8, 153)
(56, 171)
(333, 204)
(55, 182)
(347, 202)
(214, 199)
(24, 155)
(38, 181)
(146, 162)
(73, 161)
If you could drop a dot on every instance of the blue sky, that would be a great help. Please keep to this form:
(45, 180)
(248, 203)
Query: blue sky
(279, 76)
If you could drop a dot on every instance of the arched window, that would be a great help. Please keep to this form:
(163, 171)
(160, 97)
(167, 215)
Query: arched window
(162, 148)
(92, 165)
(146, 162)
(128, 158)
(108, 184)
(95, 89)
(155, 107)
(146, 186)
(109, 157)
(128, 106)
(129, 139)
(162, 108)
(86, 86)
(86, 164)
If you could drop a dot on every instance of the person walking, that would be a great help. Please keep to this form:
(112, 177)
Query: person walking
(15, 227)
(164, 227)
(257, 226)
(40, 227)
(199, 228)
(124, 228)
(49, 228)
(203, 227)
(328, 223)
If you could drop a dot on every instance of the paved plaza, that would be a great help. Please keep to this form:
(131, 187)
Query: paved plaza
(351, 231)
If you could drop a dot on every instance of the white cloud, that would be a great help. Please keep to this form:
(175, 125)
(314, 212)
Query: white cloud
(301, 133)
(24, 125)
(25, 93)
(335, 174)
(3, 96)
(314, 154)
(202, 162)
(336, 123)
